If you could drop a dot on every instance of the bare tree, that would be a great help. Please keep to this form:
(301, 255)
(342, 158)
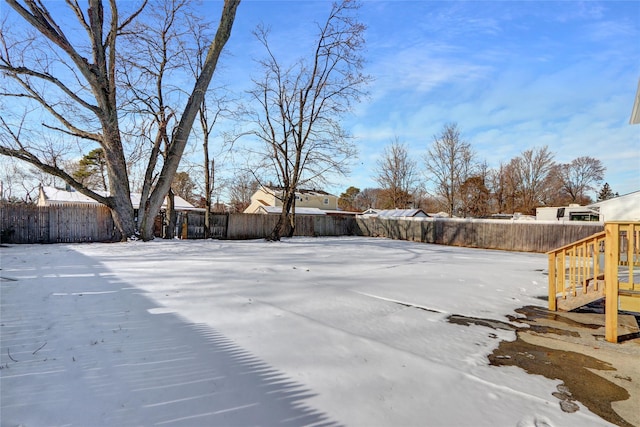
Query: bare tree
(155, 53)
(497, 185)
(240, 191)
(532, 171)
(397, 174)
(368, 198)
(214, 106)
(449, 162)
(580, 176)
(299, 108)
(17, 184)
(75, 82)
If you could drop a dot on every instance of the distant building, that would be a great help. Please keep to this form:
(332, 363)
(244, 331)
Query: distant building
(318, 202)
(573, 212)
(621, 208)
(51, 196)
(396, 213)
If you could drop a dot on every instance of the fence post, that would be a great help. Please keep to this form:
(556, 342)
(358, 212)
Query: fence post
(611, 248)
(552, 282)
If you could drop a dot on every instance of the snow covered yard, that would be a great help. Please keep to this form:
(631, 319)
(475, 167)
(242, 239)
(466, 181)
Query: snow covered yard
(330, 331)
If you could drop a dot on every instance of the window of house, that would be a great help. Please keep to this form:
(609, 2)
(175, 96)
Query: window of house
(326, 201)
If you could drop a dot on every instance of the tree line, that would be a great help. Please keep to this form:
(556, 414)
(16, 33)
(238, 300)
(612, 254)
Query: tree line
(451, 178)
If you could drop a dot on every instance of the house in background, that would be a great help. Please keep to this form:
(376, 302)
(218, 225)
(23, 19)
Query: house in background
(573, 212)
(51, 196)
(276, 210)
(396, 213)
(621, 208)
(307, 201)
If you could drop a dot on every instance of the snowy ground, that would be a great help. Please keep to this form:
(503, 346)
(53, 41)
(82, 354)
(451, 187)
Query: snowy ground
(335, 331)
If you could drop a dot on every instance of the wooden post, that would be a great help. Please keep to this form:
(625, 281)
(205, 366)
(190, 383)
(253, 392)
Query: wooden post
(552, 282)
(611, 249)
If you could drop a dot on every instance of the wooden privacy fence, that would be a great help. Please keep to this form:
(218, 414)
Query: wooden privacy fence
(526, 236)
(91, 223)
(21, 223)
(258, 226)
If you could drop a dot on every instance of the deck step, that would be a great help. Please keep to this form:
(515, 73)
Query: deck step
(581, 299)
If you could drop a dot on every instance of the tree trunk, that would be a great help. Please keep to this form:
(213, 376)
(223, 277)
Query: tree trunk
(122, 210)
(208, 173)
(170, 232)
(285, 226)
(179, 139)
(122, 215)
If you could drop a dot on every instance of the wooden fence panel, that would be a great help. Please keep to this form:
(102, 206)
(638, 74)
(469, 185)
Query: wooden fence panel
(250, 226)
(526, 236)
(21, 223)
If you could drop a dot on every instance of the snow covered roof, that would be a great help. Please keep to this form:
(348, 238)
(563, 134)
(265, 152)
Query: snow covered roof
(441, 214)
(371, 211)
(274, 189)
(402, 213)
(179, 203)
(299, 211)
(57, 196)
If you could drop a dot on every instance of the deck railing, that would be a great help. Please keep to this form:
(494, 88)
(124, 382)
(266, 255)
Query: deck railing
(610, 259)
(621, 275)
(573, 267)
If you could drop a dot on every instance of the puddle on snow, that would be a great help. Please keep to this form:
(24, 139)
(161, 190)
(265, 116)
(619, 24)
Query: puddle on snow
(574, 369)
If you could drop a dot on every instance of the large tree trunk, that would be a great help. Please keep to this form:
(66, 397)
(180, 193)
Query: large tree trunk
(171, 216)
(123, 217)
(285, 226)
(122, 210)
(179, 140)
(120, 193)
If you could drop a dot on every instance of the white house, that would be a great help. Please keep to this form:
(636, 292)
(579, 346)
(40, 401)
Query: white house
(621, 208)
(573, 212)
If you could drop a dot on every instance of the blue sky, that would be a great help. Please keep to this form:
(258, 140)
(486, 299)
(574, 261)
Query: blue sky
(514, 75)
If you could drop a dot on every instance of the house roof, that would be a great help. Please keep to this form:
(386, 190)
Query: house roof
(58, 196)
(402, 213)
(299, 191)
(635, 195)
(635, 113)
(299, 211)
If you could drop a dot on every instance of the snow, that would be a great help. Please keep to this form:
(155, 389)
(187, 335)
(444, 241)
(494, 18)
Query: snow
(328, 331)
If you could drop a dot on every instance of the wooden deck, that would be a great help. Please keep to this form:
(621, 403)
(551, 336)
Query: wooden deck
(606, 264)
